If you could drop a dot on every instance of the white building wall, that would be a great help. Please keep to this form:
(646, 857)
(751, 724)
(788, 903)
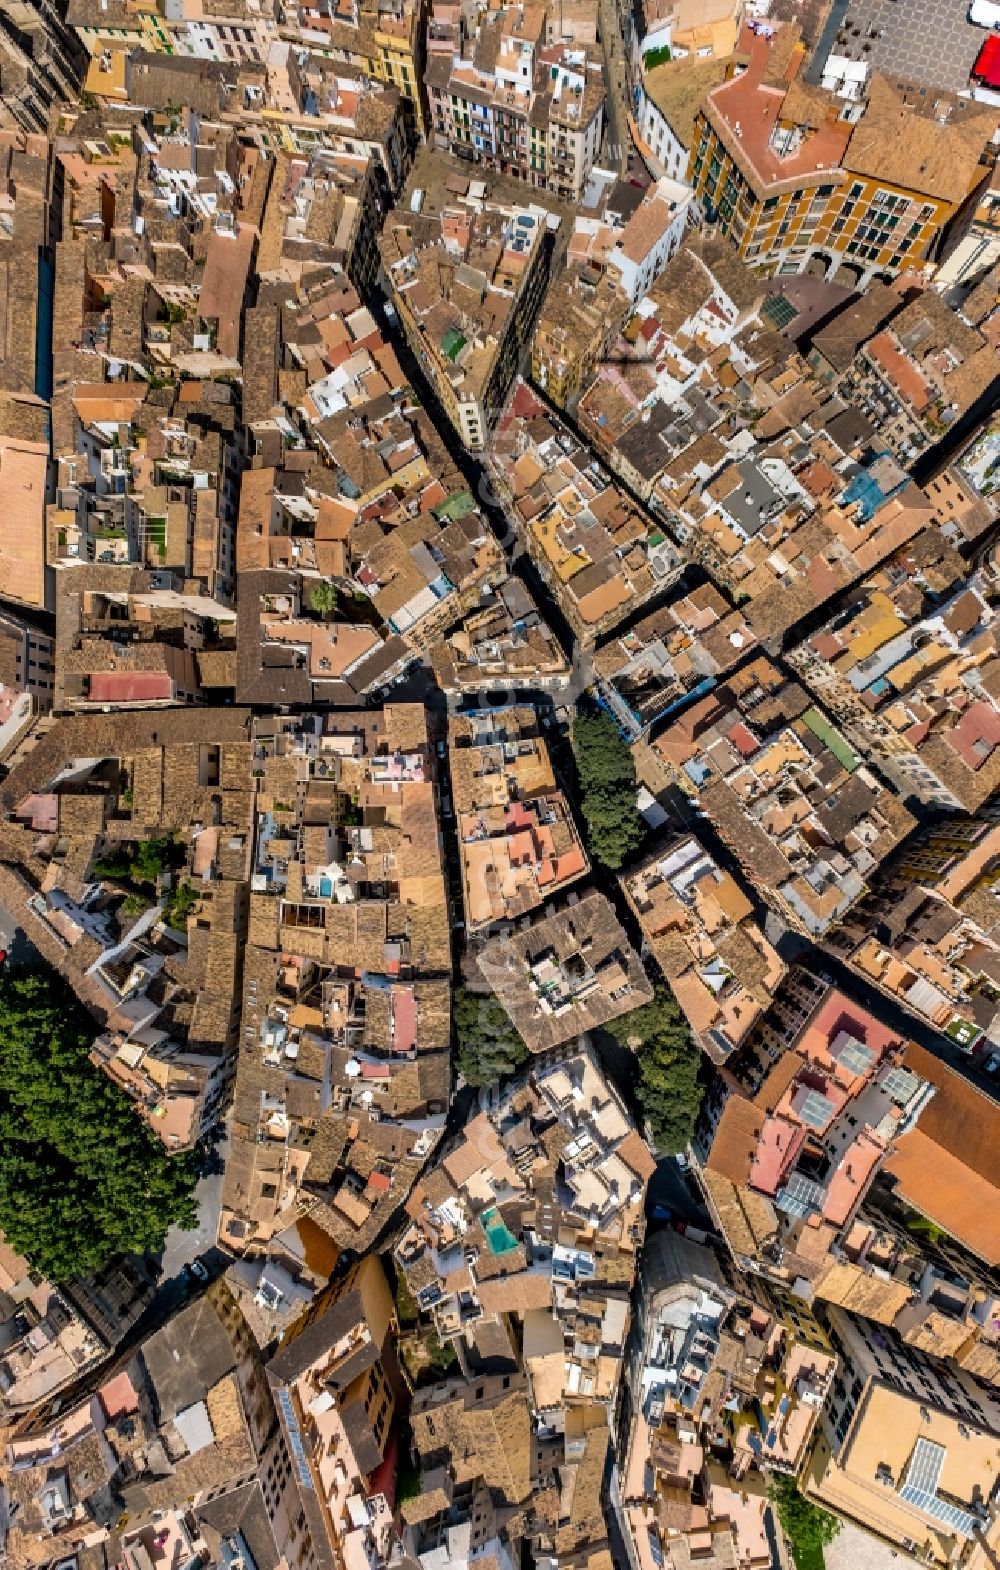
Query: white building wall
(656, 131)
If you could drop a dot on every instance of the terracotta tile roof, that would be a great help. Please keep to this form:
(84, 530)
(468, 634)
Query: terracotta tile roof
(735, 1141)
(942, 1187)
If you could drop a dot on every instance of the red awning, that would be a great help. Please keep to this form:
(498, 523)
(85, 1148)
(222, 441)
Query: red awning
(987, 66)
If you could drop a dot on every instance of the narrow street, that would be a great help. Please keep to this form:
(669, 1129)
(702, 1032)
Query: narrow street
(618, 140)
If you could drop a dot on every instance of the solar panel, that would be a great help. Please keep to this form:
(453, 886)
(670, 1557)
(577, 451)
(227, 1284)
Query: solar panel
(900, 1084)
(816, 1109)
(924, 1470)
(800, 1196)
(856, 1056)
(295, 1439)
(940, 1509)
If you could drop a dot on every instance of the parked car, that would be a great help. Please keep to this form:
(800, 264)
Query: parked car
(198, 1270)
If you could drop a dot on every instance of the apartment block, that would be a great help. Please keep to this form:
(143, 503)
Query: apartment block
(567, 973)
(675, 53)
(700, 926)
(805, 817)
(906, 1449)
(518, 844)
(161, 968)
(521, 1247)
(180, 1452)
(906, 669)
(924, 370)
(651, 400)
(506, 640)
(707, 1365)
(789, 1166)
(27, 677)
(131, 639)
(599, 553)
(575, 329)
(792, 174)
(343, 1074)
(500, 93)
(467, 286)
(46, 1343)
(833, 1204)
(651, 237)
(922, 951)
(484, 1201)
(668, 91)
(336, 1384)
(323, 213)
(385, 522)
(678, 651)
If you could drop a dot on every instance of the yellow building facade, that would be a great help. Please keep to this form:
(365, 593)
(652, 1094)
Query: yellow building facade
(799, 180)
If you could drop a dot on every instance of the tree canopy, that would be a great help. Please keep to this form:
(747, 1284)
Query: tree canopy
(82, 1179)
(807, 1527)
(179, 904)
(487, 1044)
(607, 790)
(669, 1089)
(141, 861)
(323, 597)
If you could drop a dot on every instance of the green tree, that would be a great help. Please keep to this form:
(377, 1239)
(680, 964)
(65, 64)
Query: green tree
(151, 857)
(487, 1044)
(179, 904)
(807, 1527)
(141, 861)
(82, 1179)
(441, 1354)
(323, 598)
(669, 1089)
(607, 790)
